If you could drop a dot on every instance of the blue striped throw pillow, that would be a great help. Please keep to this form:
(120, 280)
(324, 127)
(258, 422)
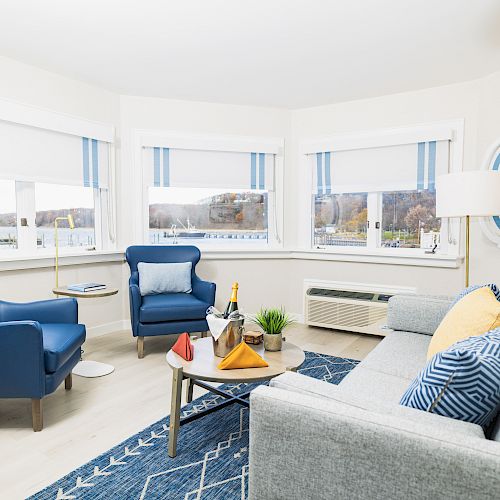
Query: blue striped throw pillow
(466, 291)
(462, 382)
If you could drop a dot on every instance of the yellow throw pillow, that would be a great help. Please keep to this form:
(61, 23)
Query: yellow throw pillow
(475, 314)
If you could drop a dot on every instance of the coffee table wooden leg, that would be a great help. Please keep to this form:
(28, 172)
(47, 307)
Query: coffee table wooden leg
(189, 390)
(175, 412)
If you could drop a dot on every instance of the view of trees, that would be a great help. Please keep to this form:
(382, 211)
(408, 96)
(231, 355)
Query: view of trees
(244, 211)
(83, 217)
(404, 214)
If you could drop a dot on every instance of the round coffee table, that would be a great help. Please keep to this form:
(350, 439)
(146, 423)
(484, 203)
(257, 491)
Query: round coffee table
(203, 368)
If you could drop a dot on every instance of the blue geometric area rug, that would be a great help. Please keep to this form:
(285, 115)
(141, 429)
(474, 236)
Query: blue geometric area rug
(212, 452)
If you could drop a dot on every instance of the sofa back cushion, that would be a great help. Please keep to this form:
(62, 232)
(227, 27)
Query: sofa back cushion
(156, 278)
(462, 382)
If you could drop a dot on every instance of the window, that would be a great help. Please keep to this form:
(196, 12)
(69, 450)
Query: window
(8, 224)
(56, 200)
(209, 198)
(341, 220)
(409, 220)
(379, 196)
(207, 216)
(50, 174)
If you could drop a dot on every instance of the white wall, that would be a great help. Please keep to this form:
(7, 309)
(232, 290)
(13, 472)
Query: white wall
(263, 281)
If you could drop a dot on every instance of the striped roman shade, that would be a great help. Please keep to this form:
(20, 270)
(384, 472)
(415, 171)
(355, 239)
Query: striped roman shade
(33, 154)
(174, 167)
(404, 167)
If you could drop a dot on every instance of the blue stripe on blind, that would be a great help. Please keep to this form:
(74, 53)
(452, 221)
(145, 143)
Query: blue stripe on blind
(253, 170)
(95, 164)
(328, 180)
(85, 157)
(156, 167)
(432, 166)
(420, 166)
(262, 169)
(319, 172)
(166, 167)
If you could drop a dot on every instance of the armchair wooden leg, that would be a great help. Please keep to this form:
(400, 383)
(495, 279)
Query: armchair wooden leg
(68, 382)
(140, 347)
(36, 414)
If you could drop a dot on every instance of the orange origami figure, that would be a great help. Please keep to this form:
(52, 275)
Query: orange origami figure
(184, 347)
(242, 356)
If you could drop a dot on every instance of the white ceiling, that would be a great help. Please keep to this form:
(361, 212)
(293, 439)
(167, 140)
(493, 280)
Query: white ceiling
(286, 53)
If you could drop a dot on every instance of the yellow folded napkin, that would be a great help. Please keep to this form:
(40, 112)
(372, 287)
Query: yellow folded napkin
(242, 356)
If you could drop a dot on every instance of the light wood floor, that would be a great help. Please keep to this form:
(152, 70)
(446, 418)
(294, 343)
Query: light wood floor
(99, 413)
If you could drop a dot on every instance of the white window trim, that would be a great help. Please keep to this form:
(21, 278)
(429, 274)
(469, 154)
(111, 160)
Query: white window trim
(168, 139)
(452, 130)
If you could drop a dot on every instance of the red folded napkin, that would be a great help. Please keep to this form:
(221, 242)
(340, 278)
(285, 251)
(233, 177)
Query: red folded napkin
(184, 347)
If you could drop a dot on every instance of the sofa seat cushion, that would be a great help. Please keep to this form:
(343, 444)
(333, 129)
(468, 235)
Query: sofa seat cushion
(374, 386)
(172, 307)
(402, 354)
(60, 341)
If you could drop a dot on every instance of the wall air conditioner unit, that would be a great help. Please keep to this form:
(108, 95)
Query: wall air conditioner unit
(348, 306)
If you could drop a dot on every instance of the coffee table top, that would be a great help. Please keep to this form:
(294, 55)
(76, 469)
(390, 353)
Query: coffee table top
(204, 363)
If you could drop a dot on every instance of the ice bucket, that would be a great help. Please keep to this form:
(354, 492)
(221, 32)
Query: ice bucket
(230, 337)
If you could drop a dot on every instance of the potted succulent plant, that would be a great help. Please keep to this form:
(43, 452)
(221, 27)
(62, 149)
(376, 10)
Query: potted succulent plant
(273, 321)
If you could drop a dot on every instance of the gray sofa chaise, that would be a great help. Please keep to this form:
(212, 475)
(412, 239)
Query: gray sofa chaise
(314, 440)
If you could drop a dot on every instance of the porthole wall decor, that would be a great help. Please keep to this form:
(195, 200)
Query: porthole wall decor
(491, 225)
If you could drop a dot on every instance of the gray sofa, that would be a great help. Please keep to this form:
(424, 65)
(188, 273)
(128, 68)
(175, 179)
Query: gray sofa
(314, 440)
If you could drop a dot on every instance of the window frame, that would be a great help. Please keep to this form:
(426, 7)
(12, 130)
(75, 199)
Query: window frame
(450, 228)
(149, 138)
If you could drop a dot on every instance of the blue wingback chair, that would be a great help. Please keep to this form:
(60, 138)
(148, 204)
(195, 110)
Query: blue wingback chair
(167, 313)
(39, 346)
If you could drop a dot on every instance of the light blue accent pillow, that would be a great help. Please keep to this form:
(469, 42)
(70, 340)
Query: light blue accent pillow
(466, 291)
(164, 277)
(462, 382)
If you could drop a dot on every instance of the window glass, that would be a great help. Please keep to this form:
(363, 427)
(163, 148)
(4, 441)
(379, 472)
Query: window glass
(8, 228)
(409, 220)
(207, 216)
(54, 200)
(340, 219)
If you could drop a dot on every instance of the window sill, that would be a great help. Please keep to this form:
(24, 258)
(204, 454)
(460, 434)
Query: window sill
(19, 262)
(385, 256)
(404, 257)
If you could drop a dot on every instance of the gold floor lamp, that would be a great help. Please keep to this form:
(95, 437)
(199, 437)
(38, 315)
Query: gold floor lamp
(468, 194)
(71, 223)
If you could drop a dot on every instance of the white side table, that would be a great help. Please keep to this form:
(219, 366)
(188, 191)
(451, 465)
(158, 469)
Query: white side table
(84, 368)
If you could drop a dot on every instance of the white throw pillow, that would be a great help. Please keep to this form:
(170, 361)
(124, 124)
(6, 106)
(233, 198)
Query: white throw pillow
(155, 278)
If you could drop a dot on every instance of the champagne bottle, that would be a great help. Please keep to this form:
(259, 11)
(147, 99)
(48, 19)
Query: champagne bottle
(233, 301)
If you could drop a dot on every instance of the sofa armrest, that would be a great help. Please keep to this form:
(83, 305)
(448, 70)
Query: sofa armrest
(320, 448)
(43, 311)
(22, 369)
(203, 290)
(417, 313)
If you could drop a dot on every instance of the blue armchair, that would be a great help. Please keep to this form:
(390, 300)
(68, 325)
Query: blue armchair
(39, 346)
(167, 313)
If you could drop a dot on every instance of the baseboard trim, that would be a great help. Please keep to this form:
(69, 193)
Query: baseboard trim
(104, 329)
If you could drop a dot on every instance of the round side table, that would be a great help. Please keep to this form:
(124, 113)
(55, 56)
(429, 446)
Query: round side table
(88, 368)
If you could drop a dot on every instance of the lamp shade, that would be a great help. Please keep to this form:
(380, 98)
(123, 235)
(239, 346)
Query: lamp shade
(475, 193)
